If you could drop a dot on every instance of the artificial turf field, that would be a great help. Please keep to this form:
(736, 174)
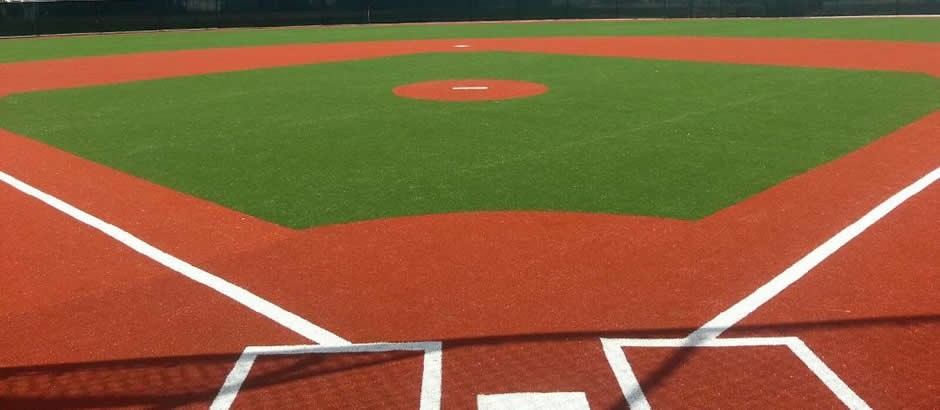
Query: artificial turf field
(575, 245)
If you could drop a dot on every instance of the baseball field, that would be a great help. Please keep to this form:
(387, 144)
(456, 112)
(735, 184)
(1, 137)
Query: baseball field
(527, 215)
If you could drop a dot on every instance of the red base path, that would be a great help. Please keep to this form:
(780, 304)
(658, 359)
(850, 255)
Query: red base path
(519, 298)
(846, 54)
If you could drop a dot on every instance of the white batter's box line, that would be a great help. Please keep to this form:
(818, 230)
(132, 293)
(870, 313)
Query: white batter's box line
(430, 378)
(636, 399)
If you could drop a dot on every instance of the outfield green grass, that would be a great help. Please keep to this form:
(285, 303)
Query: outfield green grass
(896, 29)
(323, 144)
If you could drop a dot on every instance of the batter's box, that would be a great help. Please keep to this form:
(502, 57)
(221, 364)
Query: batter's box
(760, 372)
(375, 375)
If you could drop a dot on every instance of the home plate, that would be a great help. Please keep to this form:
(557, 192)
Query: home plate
(533, 401)
(473, 88)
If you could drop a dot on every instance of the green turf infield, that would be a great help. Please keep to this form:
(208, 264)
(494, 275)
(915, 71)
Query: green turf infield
(329, 143)
(896, 29)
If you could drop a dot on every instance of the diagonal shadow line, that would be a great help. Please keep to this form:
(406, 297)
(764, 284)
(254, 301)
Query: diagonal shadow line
(302, 367)
(32, 387)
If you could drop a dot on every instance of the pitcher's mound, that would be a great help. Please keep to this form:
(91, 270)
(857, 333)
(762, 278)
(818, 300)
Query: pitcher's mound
(470, 90)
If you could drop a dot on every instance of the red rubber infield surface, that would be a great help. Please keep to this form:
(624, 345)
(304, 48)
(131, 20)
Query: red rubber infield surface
(470, 90)
(519, 299)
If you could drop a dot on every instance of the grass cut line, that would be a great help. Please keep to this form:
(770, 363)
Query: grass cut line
(715, 327)
(267, 309)
(678, 147)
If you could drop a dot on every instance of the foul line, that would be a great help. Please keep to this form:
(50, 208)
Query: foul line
(768, 291)
(707, 335)
(267, 309)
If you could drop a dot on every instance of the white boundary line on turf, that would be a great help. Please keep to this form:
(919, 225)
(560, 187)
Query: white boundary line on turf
(636, 399)
(431, 375)
(707, 335)
(795, 272)
(267, 309)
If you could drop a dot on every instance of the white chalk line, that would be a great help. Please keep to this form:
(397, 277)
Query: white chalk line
(795, 272)
(636, 399)
(703, 337)
(431, 375)
(626, 377)
(707, 335)
(470, 88)
(267, 309)
(328, 342)
(233, 382)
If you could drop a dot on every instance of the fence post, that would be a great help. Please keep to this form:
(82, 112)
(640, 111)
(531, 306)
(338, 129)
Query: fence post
(218, 13)
(35, 15)
(100, 27)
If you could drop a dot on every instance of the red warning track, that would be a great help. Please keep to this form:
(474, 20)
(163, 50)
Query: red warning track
(519, 298)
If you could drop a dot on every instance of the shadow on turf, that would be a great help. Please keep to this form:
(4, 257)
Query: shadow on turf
(169, 382)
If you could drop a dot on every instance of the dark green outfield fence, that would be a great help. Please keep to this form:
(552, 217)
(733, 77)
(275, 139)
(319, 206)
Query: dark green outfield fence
(128, 15)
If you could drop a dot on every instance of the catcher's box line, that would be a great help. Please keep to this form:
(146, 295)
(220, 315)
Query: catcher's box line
(267, 309)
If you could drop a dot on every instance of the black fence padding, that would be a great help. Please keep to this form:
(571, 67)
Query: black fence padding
(15, 19)
(88, 16)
